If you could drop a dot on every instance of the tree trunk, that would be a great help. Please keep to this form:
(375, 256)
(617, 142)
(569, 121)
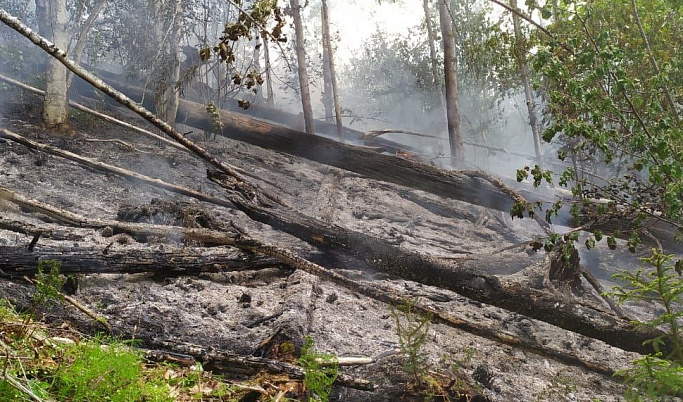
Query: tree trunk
(431, 37)
(466, 276)
(77, 51)
(270, 101)
(523, 66)
(171, 96)
(328, 102)
(259, 99)
(52, 22)
(450, 73)
(327, 48)
(301, 62)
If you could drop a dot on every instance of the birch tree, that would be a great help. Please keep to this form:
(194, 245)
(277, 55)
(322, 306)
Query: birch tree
(52, 23)
(270, 97)
(166, 97)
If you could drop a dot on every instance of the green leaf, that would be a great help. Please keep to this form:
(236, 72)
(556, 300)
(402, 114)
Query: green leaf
(590, 242)
(611, 243)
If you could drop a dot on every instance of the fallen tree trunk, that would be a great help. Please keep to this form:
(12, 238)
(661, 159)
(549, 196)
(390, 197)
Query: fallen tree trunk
(18, 261)
(463, 186)
(99, 260)
(466, 276)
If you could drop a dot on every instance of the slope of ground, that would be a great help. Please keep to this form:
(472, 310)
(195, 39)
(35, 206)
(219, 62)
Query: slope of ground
(239, 311)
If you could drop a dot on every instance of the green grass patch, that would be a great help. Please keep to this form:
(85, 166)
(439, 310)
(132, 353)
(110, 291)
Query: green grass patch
(36, 366)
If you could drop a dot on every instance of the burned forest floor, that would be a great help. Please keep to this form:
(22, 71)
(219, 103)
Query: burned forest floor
(251, 306)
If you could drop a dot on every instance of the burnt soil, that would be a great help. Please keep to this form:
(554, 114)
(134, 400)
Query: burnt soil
(237, 311)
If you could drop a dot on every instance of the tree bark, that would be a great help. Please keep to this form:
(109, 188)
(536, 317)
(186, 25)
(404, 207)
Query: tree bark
(302, 71)
(327, 48)
(167, 96)
(523, 67)
(259, 98)
(328, 102)
(52, 22)
(450, 73)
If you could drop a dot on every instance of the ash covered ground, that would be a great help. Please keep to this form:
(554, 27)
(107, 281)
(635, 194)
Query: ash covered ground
(237, 311)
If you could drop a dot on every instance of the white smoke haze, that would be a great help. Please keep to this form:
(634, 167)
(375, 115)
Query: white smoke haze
(394, 96)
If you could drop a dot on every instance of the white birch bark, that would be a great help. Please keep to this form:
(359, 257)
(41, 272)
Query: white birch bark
(52, 21)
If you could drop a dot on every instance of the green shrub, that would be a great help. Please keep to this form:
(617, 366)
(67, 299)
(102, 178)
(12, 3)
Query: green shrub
(99, 372)
(656, 376)
(320, 370)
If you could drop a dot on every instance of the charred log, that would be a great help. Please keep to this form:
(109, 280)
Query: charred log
(125, 259)
(467, 276)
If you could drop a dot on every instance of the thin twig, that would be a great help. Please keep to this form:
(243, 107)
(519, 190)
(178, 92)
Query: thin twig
(87, 311)
(523, 16)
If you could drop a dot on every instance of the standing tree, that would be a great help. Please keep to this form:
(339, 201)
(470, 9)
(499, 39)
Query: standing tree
(301, 62)
(166, 96)
(52, 23)
(328, 64)
(431, 38)
(270, 97)
(520, 52)
(450, 74)
(327, 98)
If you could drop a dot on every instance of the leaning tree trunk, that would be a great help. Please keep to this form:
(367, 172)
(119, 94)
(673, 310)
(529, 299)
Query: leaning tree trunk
(52, 21)
(327, 48)
(523, 66)
(450, 67)
(77, 51)
(301, 61)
